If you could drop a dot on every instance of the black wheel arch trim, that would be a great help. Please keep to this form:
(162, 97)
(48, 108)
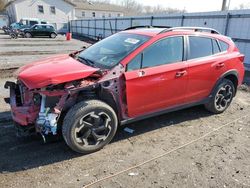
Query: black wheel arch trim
(230, 72)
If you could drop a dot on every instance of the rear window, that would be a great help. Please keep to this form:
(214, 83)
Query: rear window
(200, 47)
(224, 46)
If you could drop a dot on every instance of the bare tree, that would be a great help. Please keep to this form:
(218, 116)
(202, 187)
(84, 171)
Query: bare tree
(243, 6)
(133, 8)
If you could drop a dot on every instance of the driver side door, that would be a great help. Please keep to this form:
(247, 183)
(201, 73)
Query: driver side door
(36, 30)
(156, 78)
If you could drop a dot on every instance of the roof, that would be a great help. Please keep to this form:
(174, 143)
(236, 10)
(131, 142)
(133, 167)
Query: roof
(98, 6)
(67, 1)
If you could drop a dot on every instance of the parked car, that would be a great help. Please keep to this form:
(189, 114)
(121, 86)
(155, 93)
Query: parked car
(39, 30)
(129, 76)
(32, 21)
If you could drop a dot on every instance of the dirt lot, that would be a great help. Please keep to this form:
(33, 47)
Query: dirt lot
(188, 148)
(14, 53)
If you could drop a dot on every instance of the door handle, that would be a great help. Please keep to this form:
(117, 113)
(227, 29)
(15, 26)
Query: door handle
(141, 73)
(180, 73)
(219, 65)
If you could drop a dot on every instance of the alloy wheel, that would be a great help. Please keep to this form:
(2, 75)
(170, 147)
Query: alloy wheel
(223, 97)
(92, 129)
(53, 35)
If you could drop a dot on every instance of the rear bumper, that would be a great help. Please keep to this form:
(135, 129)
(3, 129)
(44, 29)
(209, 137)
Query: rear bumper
(22, 114)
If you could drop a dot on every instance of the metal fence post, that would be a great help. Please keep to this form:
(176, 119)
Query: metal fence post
(151, 20)
(81, 28)
(227, 23)
(103, 28)
(88, 27)
(182, 20)
(95, 28)
(131, 22)
(115, 25)
(69, 26)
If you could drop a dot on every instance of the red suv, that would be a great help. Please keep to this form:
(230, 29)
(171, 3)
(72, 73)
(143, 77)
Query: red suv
(131, 75)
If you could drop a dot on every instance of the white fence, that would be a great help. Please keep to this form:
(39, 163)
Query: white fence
(235, 24)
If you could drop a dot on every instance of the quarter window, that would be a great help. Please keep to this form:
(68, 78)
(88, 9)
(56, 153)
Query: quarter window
(224, 46)
(166, 51)
(40, 9)
(200, 47)
(216, 48)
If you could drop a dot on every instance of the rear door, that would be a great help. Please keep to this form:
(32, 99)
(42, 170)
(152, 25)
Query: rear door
(205, 65)
(156, 78)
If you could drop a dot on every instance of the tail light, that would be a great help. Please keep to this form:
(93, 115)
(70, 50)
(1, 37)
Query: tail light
(242, 58)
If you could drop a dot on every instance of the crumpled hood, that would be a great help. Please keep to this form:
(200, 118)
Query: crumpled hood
(53, 70)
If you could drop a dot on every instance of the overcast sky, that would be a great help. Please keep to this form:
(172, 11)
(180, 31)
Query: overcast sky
(193, 5)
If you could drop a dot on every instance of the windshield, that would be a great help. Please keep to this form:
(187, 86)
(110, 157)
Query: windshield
(110, 51)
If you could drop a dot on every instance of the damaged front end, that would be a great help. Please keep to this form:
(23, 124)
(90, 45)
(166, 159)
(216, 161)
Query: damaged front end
(33, 109)
(42, 110)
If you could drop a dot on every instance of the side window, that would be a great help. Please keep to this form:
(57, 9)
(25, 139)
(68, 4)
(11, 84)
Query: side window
(33, 22)
(135, 63)
(166, 51)
(200, 47)
(216, 48)
(223, 46)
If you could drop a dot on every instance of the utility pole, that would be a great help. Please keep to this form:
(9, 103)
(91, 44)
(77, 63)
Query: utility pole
(224, 5)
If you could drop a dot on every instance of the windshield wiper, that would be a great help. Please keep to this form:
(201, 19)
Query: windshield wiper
(87, 61)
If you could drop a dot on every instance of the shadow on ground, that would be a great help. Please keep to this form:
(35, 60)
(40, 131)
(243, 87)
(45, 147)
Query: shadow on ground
(22, 154)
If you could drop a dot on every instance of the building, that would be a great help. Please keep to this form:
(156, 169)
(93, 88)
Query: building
(97, 10)
(54, 11)
(59, 12)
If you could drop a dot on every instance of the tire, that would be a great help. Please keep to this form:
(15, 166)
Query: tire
(28, 35)
(89, 126)
(53, 35)
(13, 36)
(222, 97)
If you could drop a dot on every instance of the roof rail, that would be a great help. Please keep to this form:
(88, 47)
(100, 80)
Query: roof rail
(146, 26)
(191, 28)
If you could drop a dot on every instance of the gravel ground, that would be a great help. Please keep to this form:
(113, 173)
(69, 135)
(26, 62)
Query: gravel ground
(221, 159)
(179, 149)
(17, 52)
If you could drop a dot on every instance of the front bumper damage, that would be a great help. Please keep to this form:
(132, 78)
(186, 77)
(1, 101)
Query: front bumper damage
(21, 114)
(28, 113)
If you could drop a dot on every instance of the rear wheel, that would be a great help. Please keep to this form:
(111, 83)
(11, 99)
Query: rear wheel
(222, 97)
(89, 126)
(52, 35)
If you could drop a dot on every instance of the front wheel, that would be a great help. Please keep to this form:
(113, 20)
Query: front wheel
(89, 126)
(28, 35)
(222, 97)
